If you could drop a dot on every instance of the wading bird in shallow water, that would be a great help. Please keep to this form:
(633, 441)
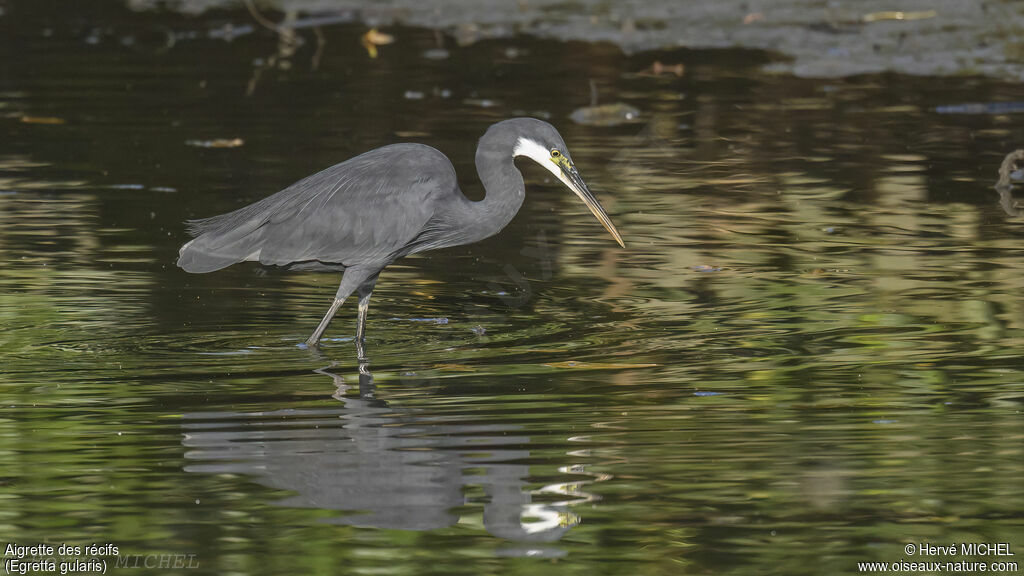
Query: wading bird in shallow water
(363, 214)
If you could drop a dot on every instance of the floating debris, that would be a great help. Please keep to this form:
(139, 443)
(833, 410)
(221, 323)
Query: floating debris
(467, 33)
(542, 114)
(413, 95)
(374, 38)
(42, 120)
(605, 114)
(229, 31)
(479, 330)
(481, 102)
(982, 108)
(411, 134)
(752, 17)
(436, 54)
(659, 69)
(216, 143)
(898, 15)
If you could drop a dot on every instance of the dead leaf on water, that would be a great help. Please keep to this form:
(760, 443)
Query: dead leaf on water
(42, 120)
(374, 38)
(658, 68)
(216, 143)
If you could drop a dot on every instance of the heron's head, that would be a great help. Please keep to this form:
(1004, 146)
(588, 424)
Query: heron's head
(540, 142)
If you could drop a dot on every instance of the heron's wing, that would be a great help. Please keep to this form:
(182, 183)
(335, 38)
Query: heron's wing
(366, 210)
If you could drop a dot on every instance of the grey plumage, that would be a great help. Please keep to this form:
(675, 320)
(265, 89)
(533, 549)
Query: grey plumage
(341, 215)
(365, 213)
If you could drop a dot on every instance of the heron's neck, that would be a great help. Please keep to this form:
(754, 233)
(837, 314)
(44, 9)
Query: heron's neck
(504, 188)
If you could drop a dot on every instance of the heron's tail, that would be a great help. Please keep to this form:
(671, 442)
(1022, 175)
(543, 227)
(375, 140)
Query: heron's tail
(223, 240)
(214, 247)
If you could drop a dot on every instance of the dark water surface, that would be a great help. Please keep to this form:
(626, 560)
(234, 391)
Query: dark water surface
(809, 355)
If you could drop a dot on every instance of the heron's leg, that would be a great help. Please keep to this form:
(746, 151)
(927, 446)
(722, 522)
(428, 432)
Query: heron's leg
(365, 291)
(314, 340)
(353, 279)
(364, 308)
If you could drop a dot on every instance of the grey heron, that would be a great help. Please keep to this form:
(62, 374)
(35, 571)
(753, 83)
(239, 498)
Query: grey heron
(361, 215)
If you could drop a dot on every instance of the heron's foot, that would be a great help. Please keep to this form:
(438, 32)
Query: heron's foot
(313, 343)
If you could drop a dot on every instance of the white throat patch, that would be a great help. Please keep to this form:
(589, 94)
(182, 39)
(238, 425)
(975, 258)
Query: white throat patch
(539, 154)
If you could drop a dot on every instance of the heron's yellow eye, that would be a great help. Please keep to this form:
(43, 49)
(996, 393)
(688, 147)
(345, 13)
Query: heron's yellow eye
(555, 153)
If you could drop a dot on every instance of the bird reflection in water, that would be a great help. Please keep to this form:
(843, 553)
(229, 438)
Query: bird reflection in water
(386, 467)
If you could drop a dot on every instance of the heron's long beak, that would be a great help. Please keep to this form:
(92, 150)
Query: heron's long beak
(571, 178)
